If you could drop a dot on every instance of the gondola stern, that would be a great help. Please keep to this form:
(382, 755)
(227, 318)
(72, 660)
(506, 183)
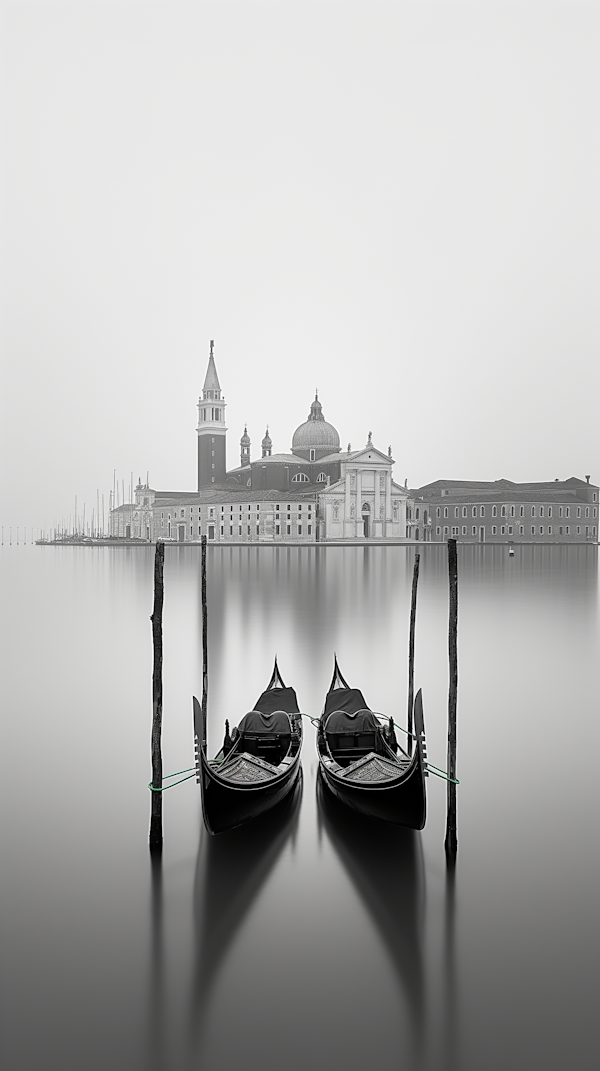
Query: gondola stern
(199, 737)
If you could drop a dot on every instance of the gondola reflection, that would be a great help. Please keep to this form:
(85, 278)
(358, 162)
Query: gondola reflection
(231, 870)
(385, 864)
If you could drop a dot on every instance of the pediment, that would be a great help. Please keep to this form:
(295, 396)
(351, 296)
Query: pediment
(369, 455)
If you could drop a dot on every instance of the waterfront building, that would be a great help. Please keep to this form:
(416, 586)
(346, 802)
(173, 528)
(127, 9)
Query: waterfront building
(472, 511)
(316, 492)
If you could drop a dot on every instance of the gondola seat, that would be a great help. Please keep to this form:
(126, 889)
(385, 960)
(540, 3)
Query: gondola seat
(269, 736)
(351, 736)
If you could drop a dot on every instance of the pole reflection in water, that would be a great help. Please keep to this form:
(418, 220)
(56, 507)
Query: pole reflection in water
(450, 1033)
(156, 1053)
(385, 865)
(231, 870)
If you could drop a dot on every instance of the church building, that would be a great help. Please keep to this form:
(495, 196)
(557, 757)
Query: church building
(314, 493)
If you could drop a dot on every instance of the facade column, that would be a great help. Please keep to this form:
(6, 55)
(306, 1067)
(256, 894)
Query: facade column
(359, 520)
(376, 519)
(347, 498)
(388, 498)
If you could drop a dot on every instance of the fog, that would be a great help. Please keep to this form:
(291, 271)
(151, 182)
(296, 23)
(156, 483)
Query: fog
(395, 203)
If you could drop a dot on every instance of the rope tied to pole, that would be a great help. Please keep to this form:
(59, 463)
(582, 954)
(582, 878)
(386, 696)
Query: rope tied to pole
(176, 774)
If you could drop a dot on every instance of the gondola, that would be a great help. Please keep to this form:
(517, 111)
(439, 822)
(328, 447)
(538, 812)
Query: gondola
(258, 766)
(361, 762)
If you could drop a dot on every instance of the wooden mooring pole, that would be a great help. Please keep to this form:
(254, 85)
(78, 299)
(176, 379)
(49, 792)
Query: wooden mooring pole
(204, 645)
(156, 830)
(451, 842)
(411, 652)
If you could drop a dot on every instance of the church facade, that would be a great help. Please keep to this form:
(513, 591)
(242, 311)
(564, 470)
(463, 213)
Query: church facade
(314, 493)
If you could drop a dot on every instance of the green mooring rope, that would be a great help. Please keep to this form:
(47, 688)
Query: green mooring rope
(176, 774)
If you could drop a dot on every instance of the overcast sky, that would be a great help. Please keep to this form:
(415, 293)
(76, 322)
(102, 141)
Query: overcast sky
(396, 203)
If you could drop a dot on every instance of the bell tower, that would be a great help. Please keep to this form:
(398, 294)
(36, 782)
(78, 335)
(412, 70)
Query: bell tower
(212, 432)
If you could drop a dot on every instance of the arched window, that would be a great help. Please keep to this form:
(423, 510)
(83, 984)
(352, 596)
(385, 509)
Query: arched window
(321, 478)
(300, 477)
(365, 508)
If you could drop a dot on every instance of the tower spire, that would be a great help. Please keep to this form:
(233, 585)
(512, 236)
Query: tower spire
(211, 428)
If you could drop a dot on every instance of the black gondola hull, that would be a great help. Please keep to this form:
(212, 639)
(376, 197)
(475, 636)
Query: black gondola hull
(226, 806)
(401, 801)
(374, 790)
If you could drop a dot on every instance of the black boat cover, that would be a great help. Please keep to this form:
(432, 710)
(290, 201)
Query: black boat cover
(348, 699)
(278, 699)
(257, 722)
(340, 722)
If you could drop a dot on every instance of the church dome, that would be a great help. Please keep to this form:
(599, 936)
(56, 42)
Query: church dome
(245, 439)
(316, 432)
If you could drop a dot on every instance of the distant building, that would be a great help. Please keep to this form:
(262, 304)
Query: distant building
(316, 492)
(557, 511)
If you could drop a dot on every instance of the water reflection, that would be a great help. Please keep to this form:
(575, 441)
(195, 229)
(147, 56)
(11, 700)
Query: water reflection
(385, 864)
(156, 1032)
(231, 870)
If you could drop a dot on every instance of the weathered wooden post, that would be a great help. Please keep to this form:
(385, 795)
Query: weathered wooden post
(156, 831)
(411, 652)
(451, 842)
(204, 645)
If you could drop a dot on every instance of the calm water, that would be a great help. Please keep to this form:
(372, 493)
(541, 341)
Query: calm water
(313, 940)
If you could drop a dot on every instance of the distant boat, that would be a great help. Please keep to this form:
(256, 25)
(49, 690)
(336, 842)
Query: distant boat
(258, 766)
(361, 763)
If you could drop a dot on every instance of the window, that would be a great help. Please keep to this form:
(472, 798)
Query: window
(464, 511)
(454, 530)
(482, 511)
(494, 511)
(560, 511)
(299, 507)
(560, 530)
(299, 529)
(248, 529)
(587, 511)
(162, 516)
(474, 530)
(549, 511)
(312, 455)
(532, 529)
(579, 511)
(567, 530)
(494, 529)
(510, 529)
(277, 529)
(438, 512)
(594, 512)
(258, 529)
(288, 528)
(512, 511)
(417, 513)
(445, 515)
(445, 529)
(549, 529)
(503, 511)
(521, 530)
(456, 511)
(182, 513)
(541, 511)
(321, 478)
(277, 516)
(541, 529)
(239, 529)
(211, 511)
(464, 529)
(309, 506)
(578, 529)
(474, 511)
(594, 530)
(533, 511)
(503, 530)
(521, 511)
(567, 511)
(309, 529)
(222, 531)
(230, 529)
(438, 530)
(277, 508)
